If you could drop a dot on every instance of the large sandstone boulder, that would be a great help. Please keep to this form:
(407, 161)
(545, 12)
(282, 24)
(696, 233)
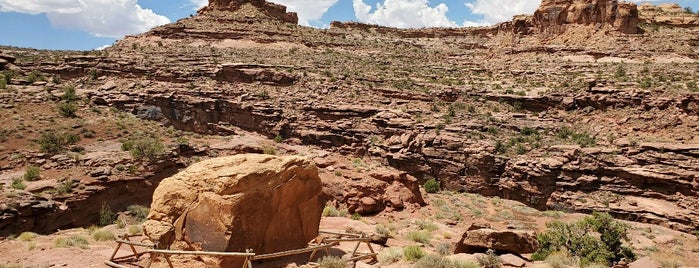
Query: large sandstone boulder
(260, 202)
(554, 15)
(481, 238)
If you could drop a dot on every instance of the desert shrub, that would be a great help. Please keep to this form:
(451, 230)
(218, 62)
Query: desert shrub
(53, 143)
(69, 94)
(32, 173)
(332, 262)
(67, 109)
(278, 139)
(584, 139)
(270, 150)
(72, 241)
(692, 86)
(443, 248)
(64, 187)
(419, 236)
(27, 236)
(140, 213)
(144, 147)
(135, 229)
(390, 255)
(383, 230)
(3, 84)
(465, 264)
(427, 225)
(106, 216)
(434, 261)
(595, 239)
(35, 76)
(431, 186)
(560, 260)
(103, 235)
(331, 211)
(490, 260)
(413, 253)
(18, 183)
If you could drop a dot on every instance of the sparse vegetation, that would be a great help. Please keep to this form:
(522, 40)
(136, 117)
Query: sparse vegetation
(72, 241)
(390, 255)
(32, 173)
(138, 212)
(432, 186)
(421, 237)
(144, 147)
(490, 260)
(18, 184)
(53, 143)
(331, 211)
(106, 216)
(597, 239)
(27, 236)
(67, 109)
(332, 262)
(413, 253)
(103, 235)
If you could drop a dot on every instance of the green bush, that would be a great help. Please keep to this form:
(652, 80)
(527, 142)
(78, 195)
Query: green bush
(331, 211)
(144, 147)
(64, 187)
(434, 261)
(692, 86)
(106, 216)
(419, 236)
(390, 255)
(432, 186)
(3, 84)
(69, 94)
(35, 76)
(413, 253)
(27, 236)
(53, 143)
(18, 184)
(73, 241)
(103, 235)
(490, 260)
(32, 173)
(140, 213)
(597, 239)
(332, 262)
(67, 109)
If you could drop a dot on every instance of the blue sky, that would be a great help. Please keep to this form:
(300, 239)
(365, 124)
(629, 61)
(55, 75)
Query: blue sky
(89, 24)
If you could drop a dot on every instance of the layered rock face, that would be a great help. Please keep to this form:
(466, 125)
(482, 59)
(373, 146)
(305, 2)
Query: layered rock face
(259, 202)
(553, 15)
(270, 9)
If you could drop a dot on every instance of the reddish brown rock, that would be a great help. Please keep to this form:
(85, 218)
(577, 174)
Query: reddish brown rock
(259, 202)
(554, 15)
(509, 241)
(270, 9)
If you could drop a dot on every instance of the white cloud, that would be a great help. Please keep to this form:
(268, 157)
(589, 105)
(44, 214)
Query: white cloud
(404, 14)
(102, 18)
(199, 3)
(495, 11)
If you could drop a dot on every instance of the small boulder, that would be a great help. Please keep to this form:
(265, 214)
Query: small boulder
(505, 241)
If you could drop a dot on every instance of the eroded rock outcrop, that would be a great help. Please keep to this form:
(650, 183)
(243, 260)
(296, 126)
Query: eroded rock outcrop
(270, 9)
(259, 202)
(553, 15)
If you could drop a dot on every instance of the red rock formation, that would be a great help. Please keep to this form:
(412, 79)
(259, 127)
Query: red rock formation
(553, 15)
(273, 10)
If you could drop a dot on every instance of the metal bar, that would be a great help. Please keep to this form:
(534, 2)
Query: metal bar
(206, 253)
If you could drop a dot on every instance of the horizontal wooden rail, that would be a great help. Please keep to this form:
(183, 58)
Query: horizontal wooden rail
(200, 253)
(290, 252)
(135, 243)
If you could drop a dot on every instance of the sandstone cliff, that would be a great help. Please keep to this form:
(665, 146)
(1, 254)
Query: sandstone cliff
(270, 9)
